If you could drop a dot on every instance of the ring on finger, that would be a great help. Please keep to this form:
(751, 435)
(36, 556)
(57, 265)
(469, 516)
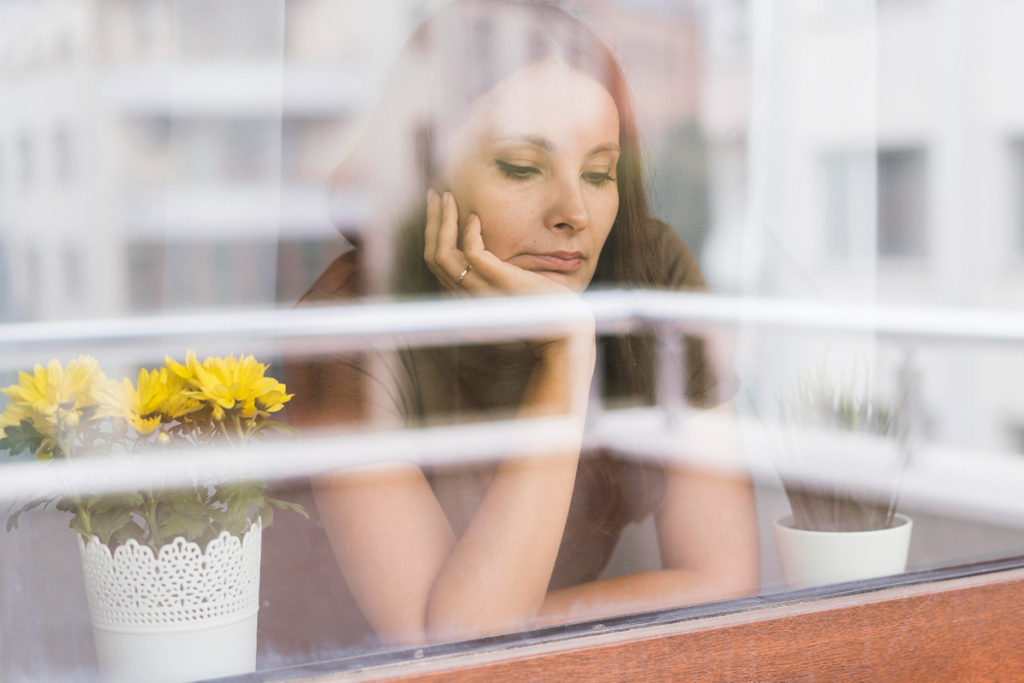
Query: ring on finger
(462, 275)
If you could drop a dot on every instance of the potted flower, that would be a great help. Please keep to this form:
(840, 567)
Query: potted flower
(841, 450)
(172, 577)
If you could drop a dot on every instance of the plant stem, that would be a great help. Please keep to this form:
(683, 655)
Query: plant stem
(242, 438)
(67, 449)
(154, 530)
(226, 434)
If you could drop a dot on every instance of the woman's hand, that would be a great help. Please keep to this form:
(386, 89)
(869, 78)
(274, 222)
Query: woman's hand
(487, 274)
(476, 271)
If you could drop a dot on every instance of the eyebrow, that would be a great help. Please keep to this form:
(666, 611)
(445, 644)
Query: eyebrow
(549, 146)
(534, 140)
(607, 147)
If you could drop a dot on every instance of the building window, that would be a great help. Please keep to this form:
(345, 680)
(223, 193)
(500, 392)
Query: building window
(146, 276)
(192, 274)
(252, 149)
(1017, 191)
(6, 308)
(62, 155)
(33, 287)
(849, 194)
(25, 166)
(902, 202)
(230, 28)
(74, 278)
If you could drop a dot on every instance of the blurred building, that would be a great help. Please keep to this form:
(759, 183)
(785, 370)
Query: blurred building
(882, 163)
(162, 155)
(159, 155)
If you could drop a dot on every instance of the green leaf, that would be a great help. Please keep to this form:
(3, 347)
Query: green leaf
(120, 501)
(22, 437)
(206, 511)
(267, 516)
(280, 427)
(285, 505)
(181, 524)
(12, 520)
(132, 530)
(105, 524)
(239, 501)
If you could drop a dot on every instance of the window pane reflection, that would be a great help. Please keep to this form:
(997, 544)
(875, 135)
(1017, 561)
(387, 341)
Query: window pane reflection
(731, 262)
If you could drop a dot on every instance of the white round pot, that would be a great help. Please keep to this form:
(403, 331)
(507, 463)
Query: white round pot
(816, 558)
(183, 615)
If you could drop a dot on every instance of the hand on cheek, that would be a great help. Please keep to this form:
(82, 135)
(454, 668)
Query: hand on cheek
(461, 262)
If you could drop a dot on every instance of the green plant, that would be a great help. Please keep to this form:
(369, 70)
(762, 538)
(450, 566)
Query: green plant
(821, 403)
(59, 413)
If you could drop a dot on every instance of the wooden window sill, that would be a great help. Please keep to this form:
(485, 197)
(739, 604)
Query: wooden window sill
(960, 624)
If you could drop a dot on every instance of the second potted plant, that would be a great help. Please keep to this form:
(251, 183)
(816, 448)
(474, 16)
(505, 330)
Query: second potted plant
(841, 451)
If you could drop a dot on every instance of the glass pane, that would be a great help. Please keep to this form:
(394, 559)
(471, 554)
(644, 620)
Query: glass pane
(508, 318)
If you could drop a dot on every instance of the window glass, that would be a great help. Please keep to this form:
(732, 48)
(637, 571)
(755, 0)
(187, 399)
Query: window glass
(494, 321)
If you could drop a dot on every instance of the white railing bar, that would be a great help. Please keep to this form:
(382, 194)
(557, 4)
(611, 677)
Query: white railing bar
(438, 321)
(920, 322)
(979, 485)
(301, 457)
(358, 320)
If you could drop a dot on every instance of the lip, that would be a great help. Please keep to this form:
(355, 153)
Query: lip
(566, 261)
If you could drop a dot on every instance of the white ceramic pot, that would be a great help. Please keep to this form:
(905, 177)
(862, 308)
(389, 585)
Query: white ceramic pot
(816, 558)
(183, 615)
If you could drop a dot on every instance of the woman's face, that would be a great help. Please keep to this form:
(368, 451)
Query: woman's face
(536, 161)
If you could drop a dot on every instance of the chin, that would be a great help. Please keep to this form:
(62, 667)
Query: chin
(572, 281)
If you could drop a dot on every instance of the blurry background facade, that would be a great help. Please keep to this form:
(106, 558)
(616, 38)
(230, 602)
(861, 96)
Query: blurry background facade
(164, 155)
(174, 155)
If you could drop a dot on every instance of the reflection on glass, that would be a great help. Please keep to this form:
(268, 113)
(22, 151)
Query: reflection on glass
(517, 172)
(847, 178)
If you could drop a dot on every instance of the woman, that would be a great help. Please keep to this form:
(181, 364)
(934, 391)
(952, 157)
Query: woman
(527, 144)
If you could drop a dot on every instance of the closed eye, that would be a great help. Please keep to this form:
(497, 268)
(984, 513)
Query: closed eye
(514, 171)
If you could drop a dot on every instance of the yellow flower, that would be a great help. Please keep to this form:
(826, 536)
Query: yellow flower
(229, 384)
(177, 403)
(186, 371)
(55, 394)
(14, 414)
(158, 397)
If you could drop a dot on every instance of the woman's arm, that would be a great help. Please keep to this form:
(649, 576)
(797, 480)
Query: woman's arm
(707, 533)
(412, 578)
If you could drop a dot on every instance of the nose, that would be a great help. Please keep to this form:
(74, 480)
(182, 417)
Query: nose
(568, 210)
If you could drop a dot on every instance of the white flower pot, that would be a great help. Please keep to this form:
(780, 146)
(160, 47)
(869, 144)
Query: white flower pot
(816, 558)
(183, 615)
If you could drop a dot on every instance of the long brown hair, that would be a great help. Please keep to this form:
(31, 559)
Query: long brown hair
(461, 71)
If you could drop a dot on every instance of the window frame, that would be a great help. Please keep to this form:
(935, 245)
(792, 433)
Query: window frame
(955, 623)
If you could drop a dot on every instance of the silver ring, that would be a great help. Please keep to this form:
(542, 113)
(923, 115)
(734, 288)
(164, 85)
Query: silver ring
(458, 280)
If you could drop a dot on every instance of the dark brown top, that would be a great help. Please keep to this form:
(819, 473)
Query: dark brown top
(307, 612)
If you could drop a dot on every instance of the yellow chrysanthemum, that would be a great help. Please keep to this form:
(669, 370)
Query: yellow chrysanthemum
(177, 403)
(55, 394)
(187, 371)
(15, 413)
(231, 384)
(157, 397)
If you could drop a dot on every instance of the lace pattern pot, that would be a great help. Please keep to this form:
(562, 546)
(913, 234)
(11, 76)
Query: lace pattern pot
(180, 615)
